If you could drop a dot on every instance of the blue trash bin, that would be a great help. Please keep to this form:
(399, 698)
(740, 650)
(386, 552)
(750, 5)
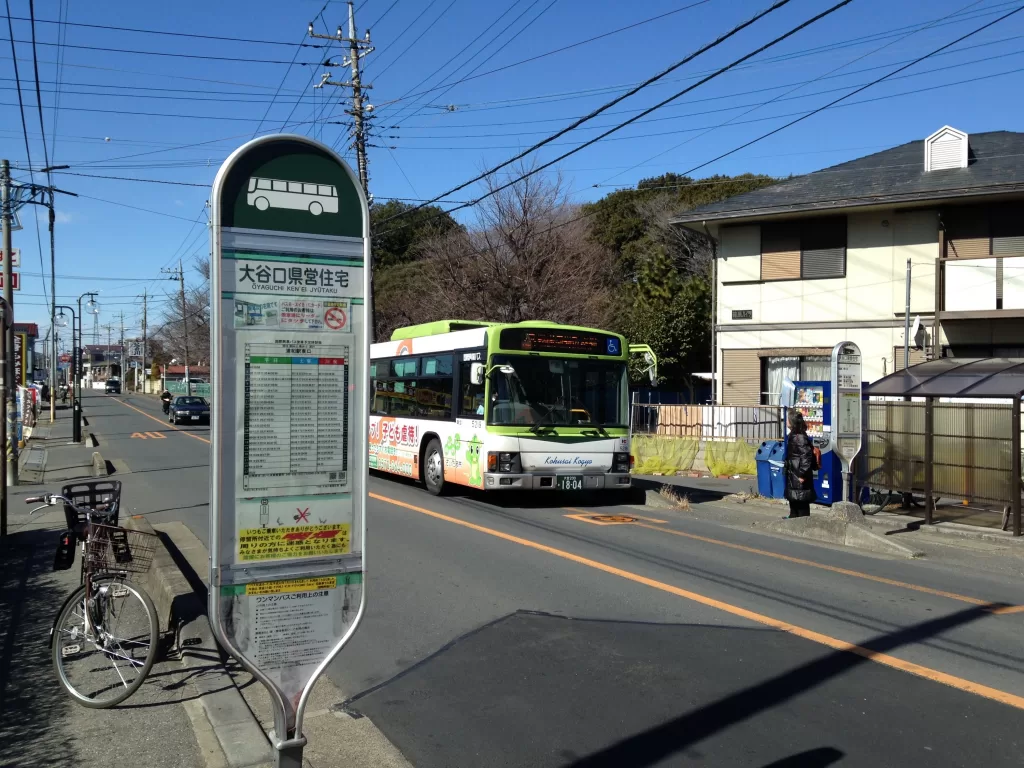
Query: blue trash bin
(762, 460)
(777, 470)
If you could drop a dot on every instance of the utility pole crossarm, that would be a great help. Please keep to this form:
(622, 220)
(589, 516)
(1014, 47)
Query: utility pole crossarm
(358, 48)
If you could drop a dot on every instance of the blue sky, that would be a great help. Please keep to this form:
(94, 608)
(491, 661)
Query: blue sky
(117, 235)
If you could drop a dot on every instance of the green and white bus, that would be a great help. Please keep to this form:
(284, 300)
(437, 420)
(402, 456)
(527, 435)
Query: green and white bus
(498, 406)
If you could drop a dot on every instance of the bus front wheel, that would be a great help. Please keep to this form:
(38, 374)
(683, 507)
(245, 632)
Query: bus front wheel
(315, 208)
(433, 468)
(261, 203)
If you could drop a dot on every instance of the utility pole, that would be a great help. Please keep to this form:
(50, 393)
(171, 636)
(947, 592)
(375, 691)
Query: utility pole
(122, 376)
(179, 275)
(145, 342)
(10, 438)
(906, 325)
(5, 253)
(358, 48)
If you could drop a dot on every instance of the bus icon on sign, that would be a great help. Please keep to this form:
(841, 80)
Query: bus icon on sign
(295, 195)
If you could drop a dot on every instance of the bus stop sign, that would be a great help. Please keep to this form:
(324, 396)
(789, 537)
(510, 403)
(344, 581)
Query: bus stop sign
(290, 277)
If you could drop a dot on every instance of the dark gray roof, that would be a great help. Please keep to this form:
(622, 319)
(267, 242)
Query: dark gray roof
(955, 377)
(996, 165)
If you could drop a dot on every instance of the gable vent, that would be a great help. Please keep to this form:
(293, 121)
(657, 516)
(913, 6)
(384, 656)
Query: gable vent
(946, 148)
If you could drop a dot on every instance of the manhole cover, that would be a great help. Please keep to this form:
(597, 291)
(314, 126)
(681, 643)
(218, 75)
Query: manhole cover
(612, 519)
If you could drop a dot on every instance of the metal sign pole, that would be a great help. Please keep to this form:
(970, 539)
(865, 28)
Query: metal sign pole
(289, 387)
(847, 381)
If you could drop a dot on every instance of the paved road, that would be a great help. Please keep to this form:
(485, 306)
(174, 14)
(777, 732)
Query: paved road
(529, 634)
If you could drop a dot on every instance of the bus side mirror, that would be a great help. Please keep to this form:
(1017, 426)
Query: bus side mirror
(476, 374)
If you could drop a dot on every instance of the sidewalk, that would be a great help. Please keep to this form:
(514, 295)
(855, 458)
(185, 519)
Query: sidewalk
(710, 494)
(39, 723)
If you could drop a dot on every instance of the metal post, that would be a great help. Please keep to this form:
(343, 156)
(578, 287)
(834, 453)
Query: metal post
(1015, 463)
(53, 316)
(929, 461)
(5, 253)
(10, 440)
(906, 325)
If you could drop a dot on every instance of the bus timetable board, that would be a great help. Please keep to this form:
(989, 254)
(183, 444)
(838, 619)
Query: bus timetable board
(560, 340)
(289, 468)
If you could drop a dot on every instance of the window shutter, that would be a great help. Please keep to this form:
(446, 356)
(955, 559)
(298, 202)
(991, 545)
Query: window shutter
(823, 251)
(823, 262)
(741, 377)
(968, 233)
(780, 252)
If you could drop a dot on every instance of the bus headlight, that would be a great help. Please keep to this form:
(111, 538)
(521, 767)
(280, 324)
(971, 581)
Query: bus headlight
(621, 462)
(504, 462)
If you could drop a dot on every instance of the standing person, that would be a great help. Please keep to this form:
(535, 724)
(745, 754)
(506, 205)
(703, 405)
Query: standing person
(800, 465)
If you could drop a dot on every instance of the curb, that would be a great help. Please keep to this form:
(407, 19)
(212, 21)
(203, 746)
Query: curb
(181, 609)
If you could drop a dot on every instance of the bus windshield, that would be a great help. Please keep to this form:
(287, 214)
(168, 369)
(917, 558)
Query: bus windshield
(550, 391)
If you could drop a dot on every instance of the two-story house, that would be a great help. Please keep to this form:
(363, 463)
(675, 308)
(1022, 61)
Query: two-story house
(822, 258)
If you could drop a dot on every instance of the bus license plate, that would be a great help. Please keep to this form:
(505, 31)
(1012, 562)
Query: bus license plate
(570, 483)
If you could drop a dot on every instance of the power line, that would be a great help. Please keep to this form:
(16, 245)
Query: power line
(419, 38)
(783, 96)
(502, 47)
(201, 56)
(576, 44)
(780, 58)
(381, 17)
(62, 36)
(913, 92)
(734, 94)
(218, 38)
(158, 114)
(35, 69)
(409, 26)
(858, 90)
(17, 78)
(285, 77)
(465, 48)
(608, 105)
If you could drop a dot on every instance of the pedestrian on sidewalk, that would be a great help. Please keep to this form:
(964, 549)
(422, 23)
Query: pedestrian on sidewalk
(800, 465)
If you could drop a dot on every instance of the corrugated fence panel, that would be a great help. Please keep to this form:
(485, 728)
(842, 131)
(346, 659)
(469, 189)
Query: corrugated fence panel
(971, 449)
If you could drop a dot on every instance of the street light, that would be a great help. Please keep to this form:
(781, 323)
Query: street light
(93, 308)
(62, 322)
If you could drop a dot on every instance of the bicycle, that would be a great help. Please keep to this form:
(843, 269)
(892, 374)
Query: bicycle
(104, 640)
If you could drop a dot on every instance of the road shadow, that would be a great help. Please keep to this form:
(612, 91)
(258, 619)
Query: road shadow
(33, 706)
(641, 694)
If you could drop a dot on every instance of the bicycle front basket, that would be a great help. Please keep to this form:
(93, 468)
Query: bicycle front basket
(119, 550)
(104, 496)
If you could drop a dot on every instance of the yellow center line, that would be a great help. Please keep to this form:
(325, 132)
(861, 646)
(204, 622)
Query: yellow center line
(994, 608)
(840, 645)
(161, 421)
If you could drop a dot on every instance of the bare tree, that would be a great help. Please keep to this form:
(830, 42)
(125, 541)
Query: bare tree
(529, 259)
(690, 252)
(194, 315)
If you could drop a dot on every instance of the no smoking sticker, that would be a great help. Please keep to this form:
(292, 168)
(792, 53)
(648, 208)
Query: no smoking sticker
(335, 316)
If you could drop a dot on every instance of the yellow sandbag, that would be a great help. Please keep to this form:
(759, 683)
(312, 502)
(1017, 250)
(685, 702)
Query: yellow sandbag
(663, 455)
(730, 457)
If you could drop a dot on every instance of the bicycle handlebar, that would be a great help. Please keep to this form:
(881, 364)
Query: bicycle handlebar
(35, 499)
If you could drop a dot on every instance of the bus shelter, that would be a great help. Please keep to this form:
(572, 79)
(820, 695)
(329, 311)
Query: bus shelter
(949, 427)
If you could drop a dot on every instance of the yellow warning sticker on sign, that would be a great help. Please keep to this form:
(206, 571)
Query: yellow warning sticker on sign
(293, 541)
(315, 583)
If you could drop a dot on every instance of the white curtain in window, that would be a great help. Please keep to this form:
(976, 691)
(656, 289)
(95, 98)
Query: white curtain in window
(780, 368)
(815, 368)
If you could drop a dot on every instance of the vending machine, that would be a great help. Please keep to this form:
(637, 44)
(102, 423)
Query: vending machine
(814, 401)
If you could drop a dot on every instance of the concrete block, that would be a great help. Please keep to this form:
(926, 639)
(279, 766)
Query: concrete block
(99, 466)
(846, 510)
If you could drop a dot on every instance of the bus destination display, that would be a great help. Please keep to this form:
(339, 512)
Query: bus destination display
(561, 340)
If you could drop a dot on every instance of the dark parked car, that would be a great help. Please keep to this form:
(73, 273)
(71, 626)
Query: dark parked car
(189, 409)
(112, 387)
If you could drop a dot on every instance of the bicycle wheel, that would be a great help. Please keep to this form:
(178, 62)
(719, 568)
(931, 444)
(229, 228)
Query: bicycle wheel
(104, 661)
